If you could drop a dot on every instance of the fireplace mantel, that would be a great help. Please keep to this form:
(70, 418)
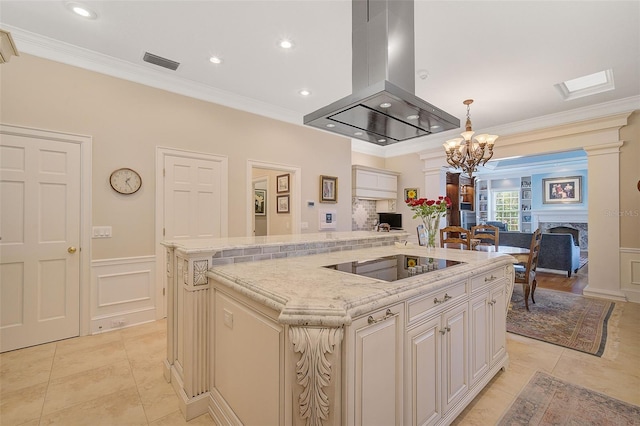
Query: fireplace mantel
(565, 215)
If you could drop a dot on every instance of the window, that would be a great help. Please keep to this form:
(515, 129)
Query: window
(507, 208)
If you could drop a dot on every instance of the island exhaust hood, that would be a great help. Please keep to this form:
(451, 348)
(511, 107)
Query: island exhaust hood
(383, 108)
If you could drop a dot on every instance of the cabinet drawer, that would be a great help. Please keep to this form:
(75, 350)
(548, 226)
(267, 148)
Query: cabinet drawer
(420, 307)
(488, 278)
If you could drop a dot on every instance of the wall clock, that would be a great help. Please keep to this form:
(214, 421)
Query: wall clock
(125, 181)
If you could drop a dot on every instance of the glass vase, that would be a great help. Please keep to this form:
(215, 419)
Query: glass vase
(432, 227)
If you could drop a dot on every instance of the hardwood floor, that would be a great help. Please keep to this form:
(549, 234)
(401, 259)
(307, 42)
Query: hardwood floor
(557, 280)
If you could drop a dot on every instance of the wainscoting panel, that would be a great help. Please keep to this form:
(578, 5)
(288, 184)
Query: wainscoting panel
(122, 292)
(630, 273)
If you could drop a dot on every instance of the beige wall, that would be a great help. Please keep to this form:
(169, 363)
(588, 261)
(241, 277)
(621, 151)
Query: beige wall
(629, 178)
(412, 176)
(127, 121)
(367, 160)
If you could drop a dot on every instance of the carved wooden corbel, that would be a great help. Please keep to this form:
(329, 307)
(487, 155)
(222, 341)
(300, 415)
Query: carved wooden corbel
(313, 369)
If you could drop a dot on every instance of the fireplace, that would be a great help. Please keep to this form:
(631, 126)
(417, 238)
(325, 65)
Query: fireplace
(574, 219)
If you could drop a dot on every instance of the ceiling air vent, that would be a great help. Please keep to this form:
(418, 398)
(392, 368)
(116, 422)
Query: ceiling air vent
(160, 61)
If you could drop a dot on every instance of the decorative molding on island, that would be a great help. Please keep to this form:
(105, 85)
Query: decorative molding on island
(291, 341)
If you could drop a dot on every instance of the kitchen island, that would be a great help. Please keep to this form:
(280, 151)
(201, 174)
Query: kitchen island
(369, 331)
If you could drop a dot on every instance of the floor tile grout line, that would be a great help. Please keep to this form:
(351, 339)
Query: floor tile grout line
(135, 381)
(46, 391)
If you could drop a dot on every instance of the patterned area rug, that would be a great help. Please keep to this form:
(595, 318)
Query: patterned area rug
(561, 318)
(547, 400)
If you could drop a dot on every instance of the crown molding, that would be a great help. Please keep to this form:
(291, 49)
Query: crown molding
(620, 106)
(45, 47)
(48, 48)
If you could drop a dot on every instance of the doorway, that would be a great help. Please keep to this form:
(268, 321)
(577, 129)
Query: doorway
(282, 206)
(260, 216)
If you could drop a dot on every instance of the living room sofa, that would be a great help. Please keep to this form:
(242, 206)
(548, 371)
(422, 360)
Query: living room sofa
(557, 251)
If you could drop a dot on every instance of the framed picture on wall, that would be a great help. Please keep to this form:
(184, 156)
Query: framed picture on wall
(282, 183)
(283, 204)
(563, 190)
(411, 194)
(260, 202)
(328, 189)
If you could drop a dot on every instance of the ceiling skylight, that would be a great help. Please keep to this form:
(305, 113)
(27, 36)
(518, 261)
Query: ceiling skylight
(587, 85)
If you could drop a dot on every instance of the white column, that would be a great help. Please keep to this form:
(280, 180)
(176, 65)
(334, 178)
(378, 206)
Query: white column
(604, 221)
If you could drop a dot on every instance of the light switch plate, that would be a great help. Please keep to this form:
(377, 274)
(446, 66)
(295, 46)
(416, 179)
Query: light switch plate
(101, 232)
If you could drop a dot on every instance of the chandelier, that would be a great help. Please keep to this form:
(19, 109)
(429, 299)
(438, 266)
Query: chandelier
(467, 152)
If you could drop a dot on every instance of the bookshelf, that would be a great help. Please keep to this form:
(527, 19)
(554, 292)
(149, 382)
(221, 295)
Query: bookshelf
(525, 204)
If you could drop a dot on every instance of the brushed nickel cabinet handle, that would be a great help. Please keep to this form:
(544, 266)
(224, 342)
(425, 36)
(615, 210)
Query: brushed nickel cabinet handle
(386, 316)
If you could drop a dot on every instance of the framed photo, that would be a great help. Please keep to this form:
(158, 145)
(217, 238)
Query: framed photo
(562, 190)
(283, 204)
(328, 189)
(411, 194)
(282, 183)
(260, 201)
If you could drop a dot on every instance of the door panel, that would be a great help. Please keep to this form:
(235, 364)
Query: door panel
(192, 198)
(39, 226)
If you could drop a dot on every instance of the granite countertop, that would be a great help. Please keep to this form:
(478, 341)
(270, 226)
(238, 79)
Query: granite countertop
(307, 293)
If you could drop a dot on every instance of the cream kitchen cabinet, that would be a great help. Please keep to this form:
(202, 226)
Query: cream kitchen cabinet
(374, 383)
(436, 367)
(374, 184)
(487, 319)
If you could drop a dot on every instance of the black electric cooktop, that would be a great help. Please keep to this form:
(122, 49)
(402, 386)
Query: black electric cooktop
(393, 268)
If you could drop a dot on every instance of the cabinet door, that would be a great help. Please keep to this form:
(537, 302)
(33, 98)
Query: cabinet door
(424, 373)
(480, 354)
(388, 182)
(498, 305)
(455, 382)
(378, 346)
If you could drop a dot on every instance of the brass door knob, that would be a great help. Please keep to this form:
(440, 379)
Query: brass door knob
(71, 249)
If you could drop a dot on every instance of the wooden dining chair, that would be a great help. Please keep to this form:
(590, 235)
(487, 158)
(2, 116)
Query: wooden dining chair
(455, 237)
(487, 234)
(526, 272)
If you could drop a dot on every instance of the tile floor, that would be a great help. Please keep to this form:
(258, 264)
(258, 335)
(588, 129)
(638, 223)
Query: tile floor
(116, 378)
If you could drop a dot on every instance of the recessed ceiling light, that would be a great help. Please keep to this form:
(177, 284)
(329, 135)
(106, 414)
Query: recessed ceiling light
(358, 134)
(285, 43)
(385, 105)
(413, 117)
(382, 140)
(81, 10)
(215, 60)
(587, 85)
(304, 92)
(331, 125)
(435, 126)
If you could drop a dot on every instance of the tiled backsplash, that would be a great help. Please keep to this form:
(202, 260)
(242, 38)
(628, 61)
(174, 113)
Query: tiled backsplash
(277, 251)
(363, 215)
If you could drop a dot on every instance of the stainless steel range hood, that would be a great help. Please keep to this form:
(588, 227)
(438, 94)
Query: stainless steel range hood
(383, 108)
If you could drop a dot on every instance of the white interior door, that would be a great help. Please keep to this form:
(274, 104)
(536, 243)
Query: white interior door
(193, 198)
(40, 188)
(192, 202)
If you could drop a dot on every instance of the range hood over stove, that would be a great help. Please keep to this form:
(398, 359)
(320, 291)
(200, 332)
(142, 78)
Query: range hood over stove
(383, 108)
